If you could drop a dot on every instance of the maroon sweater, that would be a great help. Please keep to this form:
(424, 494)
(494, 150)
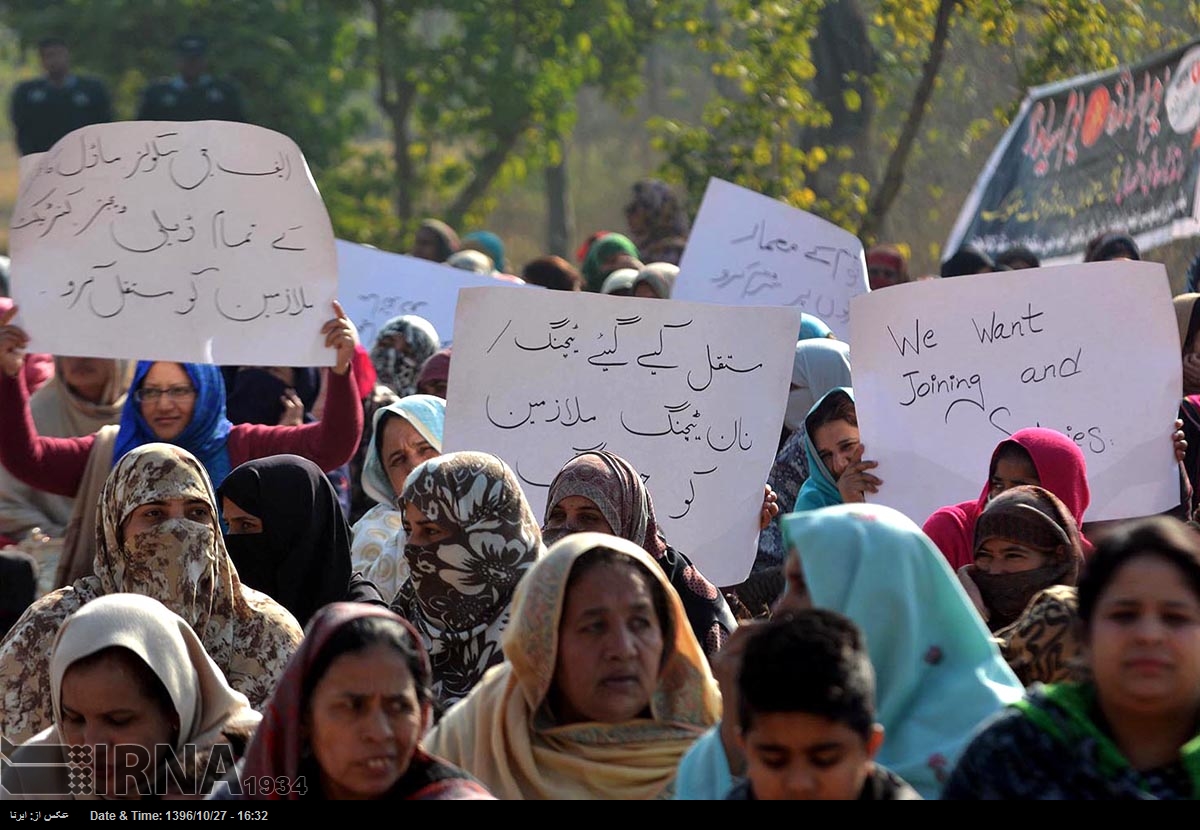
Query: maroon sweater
(56, 465)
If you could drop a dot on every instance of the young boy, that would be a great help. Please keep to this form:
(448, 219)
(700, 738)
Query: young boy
(806, 714)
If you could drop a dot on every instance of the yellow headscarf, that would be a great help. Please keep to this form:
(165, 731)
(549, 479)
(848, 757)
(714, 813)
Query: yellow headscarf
(502, 734)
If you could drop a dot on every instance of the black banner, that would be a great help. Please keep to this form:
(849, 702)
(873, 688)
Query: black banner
(1110, 151)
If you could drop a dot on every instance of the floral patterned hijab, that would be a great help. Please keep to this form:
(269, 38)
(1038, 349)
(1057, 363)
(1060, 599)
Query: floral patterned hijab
(398, 368)
(460, 589)
(180, 562)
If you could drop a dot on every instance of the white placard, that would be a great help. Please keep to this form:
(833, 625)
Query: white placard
(945, 369)
(201, 241)
(692, 395)
(749, 249)
(376, 286)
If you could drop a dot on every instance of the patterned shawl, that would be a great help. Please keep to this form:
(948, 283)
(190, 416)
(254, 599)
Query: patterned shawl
(398, 368)
(502, 734)
(460, 589)
(181, 563)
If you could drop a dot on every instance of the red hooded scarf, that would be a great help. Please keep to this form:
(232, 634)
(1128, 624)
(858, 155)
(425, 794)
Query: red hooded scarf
(1061, 469)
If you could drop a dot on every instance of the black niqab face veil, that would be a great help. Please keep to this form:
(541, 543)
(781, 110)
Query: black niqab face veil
(302, 557)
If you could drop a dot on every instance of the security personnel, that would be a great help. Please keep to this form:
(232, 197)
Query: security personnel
(45, 109)
(193, 94)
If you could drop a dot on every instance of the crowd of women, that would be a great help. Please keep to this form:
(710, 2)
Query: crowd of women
(275, 585)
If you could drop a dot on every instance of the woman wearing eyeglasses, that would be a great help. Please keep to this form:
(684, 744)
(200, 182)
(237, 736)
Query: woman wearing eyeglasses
(175, 403)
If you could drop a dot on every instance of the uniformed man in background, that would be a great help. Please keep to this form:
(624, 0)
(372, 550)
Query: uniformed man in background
(45, 109)
(194, 94)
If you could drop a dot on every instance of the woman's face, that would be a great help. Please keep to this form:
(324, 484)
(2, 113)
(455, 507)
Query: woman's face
(427, 245)
(148, 516)
(88, 376)
(364, 723)
(239, 521)
(104, 703)
(423, 531)
(1143, 645)
(1012, 472)
(574, 514)
(610, 646)
(1004, 556)
(402, 450)
(836, 442)
(174, 400)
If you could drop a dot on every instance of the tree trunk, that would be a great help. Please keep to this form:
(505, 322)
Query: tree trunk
(844, 61)
(560, 223)
(486, 170)
(396, 98)
(893, 176)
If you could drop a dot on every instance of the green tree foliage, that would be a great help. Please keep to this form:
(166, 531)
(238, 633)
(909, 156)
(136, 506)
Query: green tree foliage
(759, 132)
(476, 94)
(292, 59)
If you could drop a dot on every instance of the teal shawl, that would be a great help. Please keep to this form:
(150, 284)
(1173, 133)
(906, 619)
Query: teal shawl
(938, 672)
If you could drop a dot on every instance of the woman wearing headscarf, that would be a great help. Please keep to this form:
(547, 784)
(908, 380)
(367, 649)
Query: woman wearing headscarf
(141, 639)
(938, 672)
(471, 537)
(490, 244)
(271, 394)
(1111, 245)
(434, 375)
(1187, 316)
(820, 365)
(600, 491)
(1129, 728)
(403, 344)
(658, 223)
(605, 255)
(178, 403)
(157, 535)
(655, 281)
(812, 326)
(403, 434)
(84, 396)
(288, 536)
(1025, 540)
(322, 752)
(1037, 455)
(528, 731)
(837, 472)
(435, 241)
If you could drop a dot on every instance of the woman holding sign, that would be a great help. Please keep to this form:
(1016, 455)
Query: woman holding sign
(175, 403)
(837, 473)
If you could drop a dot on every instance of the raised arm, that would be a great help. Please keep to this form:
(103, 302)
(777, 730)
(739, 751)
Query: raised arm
(55, 465)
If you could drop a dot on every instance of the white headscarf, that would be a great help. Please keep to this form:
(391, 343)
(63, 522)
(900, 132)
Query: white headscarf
(821, 364)
(203, 698)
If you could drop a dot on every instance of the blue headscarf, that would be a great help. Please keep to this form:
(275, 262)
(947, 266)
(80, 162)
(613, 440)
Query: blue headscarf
(491, 245)
(811, 327)
(938, 674)
(820, 488)
(204, 436)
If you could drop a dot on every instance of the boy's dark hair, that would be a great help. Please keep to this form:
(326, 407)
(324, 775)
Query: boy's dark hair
(967, 260)
(813, 661)
(1016, 255)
